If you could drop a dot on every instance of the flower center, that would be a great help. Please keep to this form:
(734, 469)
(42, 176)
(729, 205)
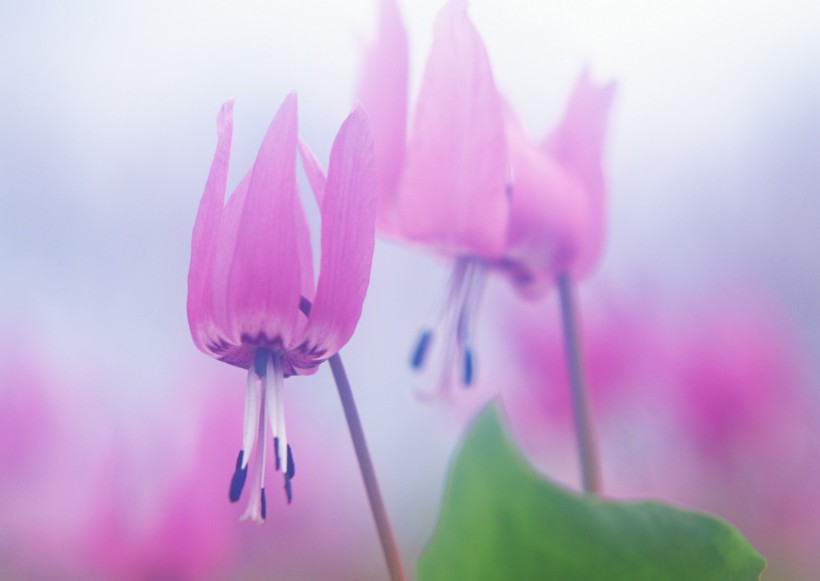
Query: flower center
(455, 322)
(264, 403)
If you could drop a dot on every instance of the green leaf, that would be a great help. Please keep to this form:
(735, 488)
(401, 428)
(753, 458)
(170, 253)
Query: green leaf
(502, 520)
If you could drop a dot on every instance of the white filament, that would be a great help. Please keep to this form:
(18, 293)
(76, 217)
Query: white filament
(254, 509)
(251, 411)
(278, 391)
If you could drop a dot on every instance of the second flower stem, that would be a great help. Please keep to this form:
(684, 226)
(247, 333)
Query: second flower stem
(585, 432)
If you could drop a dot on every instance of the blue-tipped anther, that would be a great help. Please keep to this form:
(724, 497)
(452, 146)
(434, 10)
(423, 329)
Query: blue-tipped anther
(260, 362)
(288, 489)
(420, 353)
(276, 452)
(264, 505)
(468, 367)
(291, 471)
(238, 479)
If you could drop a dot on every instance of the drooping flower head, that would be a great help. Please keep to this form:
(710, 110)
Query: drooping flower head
(468, 183)
(558, 193)
(251, 268)
(444, 188)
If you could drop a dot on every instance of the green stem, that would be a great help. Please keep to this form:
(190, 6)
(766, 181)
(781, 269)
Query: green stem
(585, 432)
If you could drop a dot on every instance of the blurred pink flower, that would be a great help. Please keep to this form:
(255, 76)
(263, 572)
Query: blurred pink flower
(170, 523)
(446, 187)
(175, 532)
(470, 185)
(28, 420)
(621, 349)
(251, 266)
(558, 197)
(735, 371)
(703, 405)
(750, 425)
(45, 436)
(30, 431)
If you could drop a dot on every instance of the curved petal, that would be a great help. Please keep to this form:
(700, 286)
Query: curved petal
(264, 282)
(314, 172)
(223, 261)
(223, 345)
(224, 348)
(348, 238)
(548, 217)
(305, 252)
(383, 92)
(206, 233)
(577, 144)
(453, 187)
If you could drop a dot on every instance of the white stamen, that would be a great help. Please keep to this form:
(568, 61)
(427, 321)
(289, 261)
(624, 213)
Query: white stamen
(456, 321)
(279, 395)
(272, 401)
(474, 288)
(251, 411)
(254, 509)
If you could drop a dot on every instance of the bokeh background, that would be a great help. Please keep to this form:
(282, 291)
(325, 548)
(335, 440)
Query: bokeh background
(702, 323)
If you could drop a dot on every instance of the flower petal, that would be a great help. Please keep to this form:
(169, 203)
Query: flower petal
(223, 261)
(205, 236)
(549, 216)
(265, 278)
(305, 253)
(313, 170)
(453, 192)
(383, 92)
(348, 238)
(577, 143)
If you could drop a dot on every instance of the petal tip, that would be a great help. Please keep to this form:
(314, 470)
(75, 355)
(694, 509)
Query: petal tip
(224, 120)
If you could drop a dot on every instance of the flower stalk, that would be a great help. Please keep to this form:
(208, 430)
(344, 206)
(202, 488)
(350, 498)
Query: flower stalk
(584, 428)
(374, 497)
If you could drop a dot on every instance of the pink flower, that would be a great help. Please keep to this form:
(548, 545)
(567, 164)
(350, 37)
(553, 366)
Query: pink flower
(178, 529)
(557, 211)
(469, 184)
(446, 186)
(251, 267)
(704, 404)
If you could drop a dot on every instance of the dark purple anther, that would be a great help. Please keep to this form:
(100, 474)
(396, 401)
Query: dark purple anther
(291, 471)
(238, 479)
(468, 367)
(420, 352)
(264, 505)
(276, 452)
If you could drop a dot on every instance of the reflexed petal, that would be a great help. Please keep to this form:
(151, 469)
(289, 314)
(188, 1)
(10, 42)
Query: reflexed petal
(265, 279)
(313, 170)
(348, 232)
(577, 144)
(453, 187)
(206, 233)
(383, 92)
